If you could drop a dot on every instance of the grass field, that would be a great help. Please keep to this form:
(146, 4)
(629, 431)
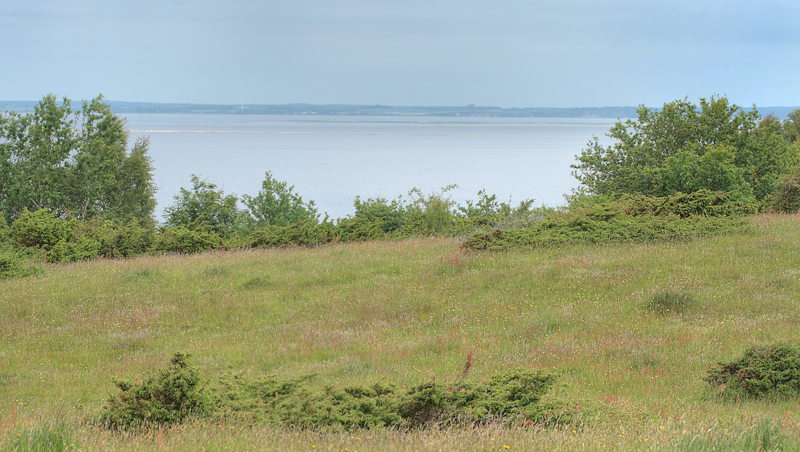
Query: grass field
(629, 329)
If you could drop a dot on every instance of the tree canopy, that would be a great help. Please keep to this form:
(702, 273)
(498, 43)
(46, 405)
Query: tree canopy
(75, 163)
(685, 148)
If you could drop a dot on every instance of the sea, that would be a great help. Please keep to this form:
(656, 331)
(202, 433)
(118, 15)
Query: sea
(333, 159)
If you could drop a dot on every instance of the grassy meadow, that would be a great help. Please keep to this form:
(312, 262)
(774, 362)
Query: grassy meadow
(629, 329)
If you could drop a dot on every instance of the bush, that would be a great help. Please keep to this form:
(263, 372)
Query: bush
(133, 239)
(182, 240)
(65, 251)
(277, 204)
(787, 194)
(764, 371)
(389, 215)
(629, 219)
(168, 396)
(13, 266)
(41, 229)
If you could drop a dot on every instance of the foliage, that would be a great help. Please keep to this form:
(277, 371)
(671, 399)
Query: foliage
(172, 394)
(763, 371)
(307, 233)
(41, 229)
(787, 195)
(512, 394)
(12, 265)
(133, 239)
(180, 239)
(487, 210)
(277, 205)
(431, 214)
(167, 396)
(790, 128)
(388, 215)
(682, 148)
(204, 208)
(629, 219)
(75, 163)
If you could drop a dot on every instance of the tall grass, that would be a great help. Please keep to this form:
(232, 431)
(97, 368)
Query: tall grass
(412, 310)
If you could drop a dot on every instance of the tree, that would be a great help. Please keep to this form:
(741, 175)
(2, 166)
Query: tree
(791, 127)
(205, 208)
(75, 164)
(717, 146)
(277, 204)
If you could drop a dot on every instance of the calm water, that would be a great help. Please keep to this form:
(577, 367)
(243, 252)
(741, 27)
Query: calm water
(333, 159)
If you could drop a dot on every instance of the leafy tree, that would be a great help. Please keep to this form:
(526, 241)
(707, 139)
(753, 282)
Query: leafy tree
(74, 163)
(791, 127)
(276, 204)
(205, 208)
(717, 146)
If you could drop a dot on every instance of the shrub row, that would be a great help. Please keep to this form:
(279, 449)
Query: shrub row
(170, 395)
(628, 219)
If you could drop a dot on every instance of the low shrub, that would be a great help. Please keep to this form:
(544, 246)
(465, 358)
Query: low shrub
(14, 266)
(172, 394)
(763, 371)
(635, 219)
(133, 239)
(787, 193)
(41, 229)
(182, 240)
(165, 397)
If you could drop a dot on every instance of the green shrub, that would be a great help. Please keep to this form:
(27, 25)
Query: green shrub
(42, 229)
(65, 251)
(133, 239)
(636, 219)
(512, 394)
(168, 396)
(14, 266)
(359, 229)
(787, 193)
(182, 240)
(763, 371)
(389, 215)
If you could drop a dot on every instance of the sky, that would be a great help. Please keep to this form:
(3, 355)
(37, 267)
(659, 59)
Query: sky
(505, 53)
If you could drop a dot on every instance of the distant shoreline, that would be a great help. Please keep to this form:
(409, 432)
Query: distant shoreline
(470, 111)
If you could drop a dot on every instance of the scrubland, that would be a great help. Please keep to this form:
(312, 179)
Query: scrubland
(629, 329)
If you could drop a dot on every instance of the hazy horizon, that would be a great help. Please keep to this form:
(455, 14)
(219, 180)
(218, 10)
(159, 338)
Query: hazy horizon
(505, 53)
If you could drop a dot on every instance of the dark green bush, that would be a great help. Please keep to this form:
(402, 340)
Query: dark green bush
(133, 239)
(65, 251)
(763, 371)
(168, 396)
(41, 229)
(636, 219)
(512, 394)
(390, 215)
(14, 266)
(182, 240)
(787, 193)
(172, 394)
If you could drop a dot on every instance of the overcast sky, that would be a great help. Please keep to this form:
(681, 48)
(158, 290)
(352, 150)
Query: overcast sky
(507, 53)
